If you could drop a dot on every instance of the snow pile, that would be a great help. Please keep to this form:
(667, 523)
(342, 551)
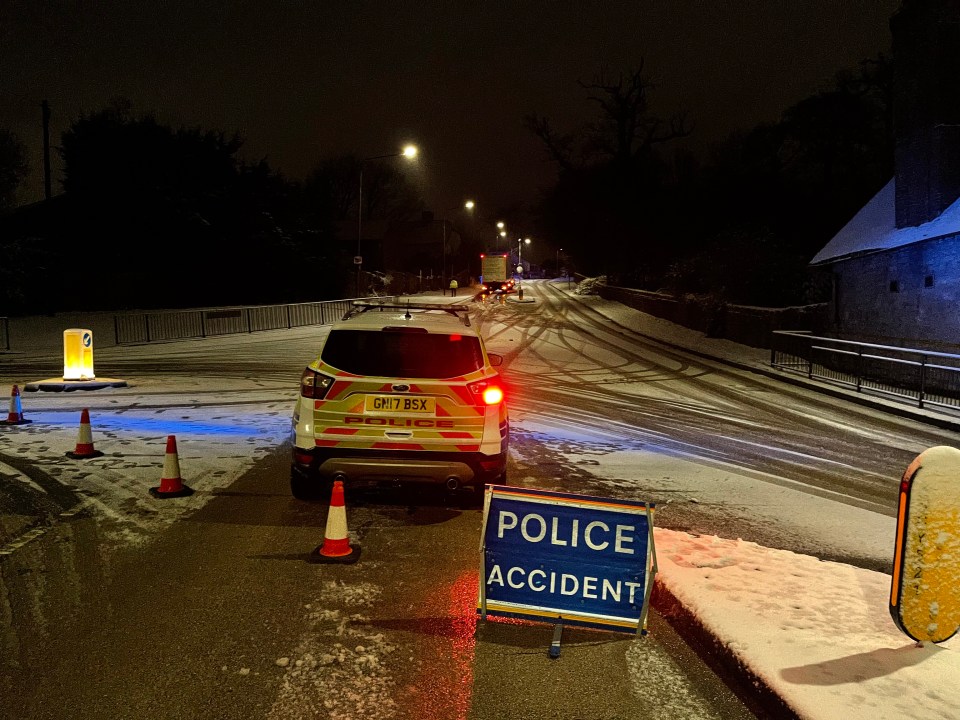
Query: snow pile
(771, 608)
(590, 286)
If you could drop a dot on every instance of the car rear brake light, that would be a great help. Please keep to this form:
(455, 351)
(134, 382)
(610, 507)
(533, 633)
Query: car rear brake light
(314, 385)
(486, 392)
(492, 395)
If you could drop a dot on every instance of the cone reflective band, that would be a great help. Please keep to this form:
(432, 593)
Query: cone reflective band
(336, 546)
(85, 436)
(336, 542)
(84, 447)
(16, 408)
(15, 416)
(171, 484)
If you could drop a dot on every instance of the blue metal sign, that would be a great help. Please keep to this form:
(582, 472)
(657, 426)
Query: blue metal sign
(558, 556)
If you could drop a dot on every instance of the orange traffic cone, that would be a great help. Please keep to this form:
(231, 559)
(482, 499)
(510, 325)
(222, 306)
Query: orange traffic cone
(15, 417)
(171, 485)
(336, 546)
(84, 449)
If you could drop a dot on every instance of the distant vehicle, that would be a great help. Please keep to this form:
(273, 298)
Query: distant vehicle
(494, 272)
(499, 291)
(400, 393)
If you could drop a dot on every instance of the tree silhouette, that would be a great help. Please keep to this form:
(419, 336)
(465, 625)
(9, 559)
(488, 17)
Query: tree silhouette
(624, 130)
(13, 168)
(605, 205)
(624, 206)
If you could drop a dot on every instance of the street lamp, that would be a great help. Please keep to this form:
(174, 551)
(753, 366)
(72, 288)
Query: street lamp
(409, 152)
(468, 205)
(520, 243)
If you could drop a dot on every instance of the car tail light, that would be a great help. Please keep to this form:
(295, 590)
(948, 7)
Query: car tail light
(486, 392)
(492, 395)
(314, 385)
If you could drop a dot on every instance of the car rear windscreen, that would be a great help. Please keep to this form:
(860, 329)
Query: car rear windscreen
(400, 353)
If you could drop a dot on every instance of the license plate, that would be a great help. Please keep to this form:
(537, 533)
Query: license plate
(400, 403)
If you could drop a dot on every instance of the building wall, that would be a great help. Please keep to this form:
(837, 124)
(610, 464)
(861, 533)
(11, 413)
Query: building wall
(926, 35)
(909, 296)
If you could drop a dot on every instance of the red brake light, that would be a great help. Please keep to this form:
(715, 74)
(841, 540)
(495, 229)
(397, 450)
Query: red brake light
(314, 385)
(492, 395)
(486, 393)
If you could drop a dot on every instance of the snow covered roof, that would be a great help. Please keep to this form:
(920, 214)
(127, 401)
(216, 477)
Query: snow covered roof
(874, 229)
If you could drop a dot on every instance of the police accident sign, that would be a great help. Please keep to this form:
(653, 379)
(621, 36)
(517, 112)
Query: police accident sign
(561, 557)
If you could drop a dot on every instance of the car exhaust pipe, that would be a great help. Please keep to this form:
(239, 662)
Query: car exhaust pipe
(453, 483)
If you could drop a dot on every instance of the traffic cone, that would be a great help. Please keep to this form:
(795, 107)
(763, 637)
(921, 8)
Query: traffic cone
(15, 417)
(171, 485)
(84, 449)
(336, 546)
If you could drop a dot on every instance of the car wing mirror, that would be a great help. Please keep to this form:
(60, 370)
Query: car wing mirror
(495, 359)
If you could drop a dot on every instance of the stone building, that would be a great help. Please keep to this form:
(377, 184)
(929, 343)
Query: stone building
(896, 264)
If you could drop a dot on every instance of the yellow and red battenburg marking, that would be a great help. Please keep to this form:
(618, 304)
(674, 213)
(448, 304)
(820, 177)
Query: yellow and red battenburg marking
(342, 413)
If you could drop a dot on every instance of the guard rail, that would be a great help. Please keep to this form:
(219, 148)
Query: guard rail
(924, 377)
(145, 327)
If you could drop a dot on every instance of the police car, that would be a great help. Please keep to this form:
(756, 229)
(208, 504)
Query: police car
(400, 393)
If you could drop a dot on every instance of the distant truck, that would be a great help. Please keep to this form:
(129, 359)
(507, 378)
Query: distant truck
(494, 272)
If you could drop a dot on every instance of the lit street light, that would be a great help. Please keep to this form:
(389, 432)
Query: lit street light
(520, 243)
(409, 152)
(468, 205)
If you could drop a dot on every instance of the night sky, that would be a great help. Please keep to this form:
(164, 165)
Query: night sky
(303, 79)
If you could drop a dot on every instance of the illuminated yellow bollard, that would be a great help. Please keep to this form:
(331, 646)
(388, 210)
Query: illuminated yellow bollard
(78, 354)
(925, 587)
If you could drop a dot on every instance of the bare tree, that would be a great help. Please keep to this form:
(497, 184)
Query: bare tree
(624, 130)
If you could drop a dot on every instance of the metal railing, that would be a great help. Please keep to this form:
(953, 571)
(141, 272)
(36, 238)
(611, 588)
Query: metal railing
(145, 327)
(924, 377)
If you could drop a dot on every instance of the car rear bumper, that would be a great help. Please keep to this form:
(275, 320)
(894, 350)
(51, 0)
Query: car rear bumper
(389, 467)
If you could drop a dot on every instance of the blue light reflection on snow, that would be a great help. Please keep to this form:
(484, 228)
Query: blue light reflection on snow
(165, 424)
